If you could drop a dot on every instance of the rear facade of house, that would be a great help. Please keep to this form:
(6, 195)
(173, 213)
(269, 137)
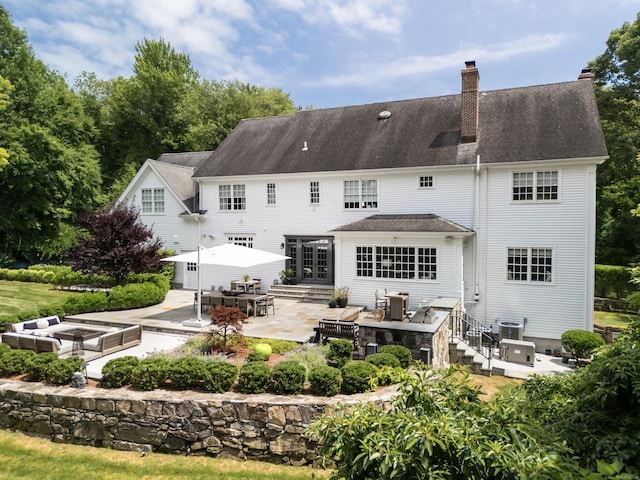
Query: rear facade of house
(486, 196)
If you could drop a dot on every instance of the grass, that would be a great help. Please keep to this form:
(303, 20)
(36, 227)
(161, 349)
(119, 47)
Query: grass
(614, 319)
(494, 385)
(18, 297)
(23, 457)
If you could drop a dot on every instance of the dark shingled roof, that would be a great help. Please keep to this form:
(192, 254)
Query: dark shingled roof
(557, 121)
(177, 170)
(420, 223)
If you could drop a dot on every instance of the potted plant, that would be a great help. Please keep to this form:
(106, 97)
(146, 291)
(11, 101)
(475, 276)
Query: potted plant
(246, 277)
(342, 296)
(288, 276)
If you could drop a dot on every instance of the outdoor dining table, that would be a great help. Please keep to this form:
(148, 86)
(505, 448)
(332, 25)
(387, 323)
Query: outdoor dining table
(253, 298)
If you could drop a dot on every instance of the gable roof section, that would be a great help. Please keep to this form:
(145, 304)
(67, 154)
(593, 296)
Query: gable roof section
(557, 121)
(419, 223)
(176, 172)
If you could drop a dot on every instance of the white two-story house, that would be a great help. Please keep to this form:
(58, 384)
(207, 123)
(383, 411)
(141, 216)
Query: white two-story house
(487, 196)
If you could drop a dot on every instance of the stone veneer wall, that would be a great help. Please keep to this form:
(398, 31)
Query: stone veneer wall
(257, 427)
(414, 336)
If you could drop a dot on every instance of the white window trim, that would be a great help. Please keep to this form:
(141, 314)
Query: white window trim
(243, 239)
(433, 182)
(154, 201)
(416, 278)
(274, 193)
(312, 204)
(528, 281)
(535, 185)
(231, 208)
(360, 195)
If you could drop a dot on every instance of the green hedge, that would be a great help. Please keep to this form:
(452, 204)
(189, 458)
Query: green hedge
(613, 281)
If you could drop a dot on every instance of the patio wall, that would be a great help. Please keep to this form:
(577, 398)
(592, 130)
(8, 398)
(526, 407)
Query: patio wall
(257, 427)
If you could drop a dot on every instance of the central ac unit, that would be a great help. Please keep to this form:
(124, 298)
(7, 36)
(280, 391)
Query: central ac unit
(510, 331)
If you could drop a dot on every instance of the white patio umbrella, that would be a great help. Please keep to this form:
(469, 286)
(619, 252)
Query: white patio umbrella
(230, 255)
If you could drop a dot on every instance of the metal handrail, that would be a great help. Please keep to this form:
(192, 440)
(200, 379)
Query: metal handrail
(474, 333)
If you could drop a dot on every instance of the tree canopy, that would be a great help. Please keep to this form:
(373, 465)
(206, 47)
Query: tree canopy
(617, 89)
(64, 150)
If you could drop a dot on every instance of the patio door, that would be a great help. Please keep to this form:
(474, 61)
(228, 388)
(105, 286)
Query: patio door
(311, 259)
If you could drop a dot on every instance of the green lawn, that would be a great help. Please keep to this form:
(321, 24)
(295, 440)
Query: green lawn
(23, 296)
(23, 457)
(614, 319)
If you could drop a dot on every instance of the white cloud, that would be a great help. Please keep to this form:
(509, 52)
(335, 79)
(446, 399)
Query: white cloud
(382, 16)
(373, 72)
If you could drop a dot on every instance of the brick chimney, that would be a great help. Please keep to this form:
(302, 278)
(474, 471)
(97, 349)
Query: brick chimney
(587, 73)
(470, 81)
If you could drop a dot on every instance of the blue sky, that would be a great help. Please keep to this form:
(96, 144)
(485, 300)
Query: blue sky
(329, 53)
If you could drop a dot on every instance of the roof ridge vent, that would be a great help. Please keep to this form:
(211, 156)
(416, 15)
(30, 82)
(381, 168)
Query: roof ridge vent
(383, 115)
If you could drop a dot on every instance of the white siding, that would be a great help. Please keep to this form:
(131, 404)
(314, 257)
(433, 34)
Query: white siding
(550, 308)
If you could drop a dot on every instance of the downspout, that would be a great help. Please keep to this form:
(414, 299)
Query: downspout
(476, 222)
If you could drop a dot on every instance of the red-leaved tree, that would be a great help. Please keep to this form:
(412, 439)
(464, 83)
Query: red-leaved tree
(117, 243)
(227, 321)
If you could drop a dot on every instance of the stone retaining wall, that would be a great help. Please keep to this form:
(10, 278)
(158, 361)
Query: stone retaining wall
(258, 427)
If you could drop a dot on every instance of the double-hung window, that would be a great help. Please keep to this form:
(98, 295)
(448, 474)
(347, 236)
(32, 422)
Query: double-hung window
(530, 264)
(397, 262)
(271, 193)
(232, 197)
(535, 186)
(314, 192)
(361, 193)
(152, 200)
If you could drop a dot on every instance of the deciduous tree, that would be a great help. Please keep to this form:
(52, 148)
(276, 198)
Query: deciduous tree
(117, 243)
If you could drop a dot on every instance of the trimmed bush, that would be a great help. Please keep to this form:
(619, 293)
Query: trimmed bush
(254, 377)
(150, 373)
(581, 343)
(116, 372)
(277, 346)
(359, 377)
(36, 367)
(264, 349)
(256, 357)
(15, 362)
(135, 295)
(86, 302)
(60, 371)
(187, 372)
(612, 281)
(387, 375)
(400, 352)
(219, 376)
(383, 360)
(324, 380)
(340, 351)
(288, 377)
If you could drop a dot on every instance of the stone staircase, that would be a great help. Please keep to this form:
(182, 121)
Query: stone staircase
(303, 292)
(462, 354)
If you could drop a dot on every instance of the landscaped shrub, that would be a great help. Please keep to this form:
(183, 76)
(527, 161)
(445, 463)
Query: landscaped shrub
(581, 343)
(150, 373)
(135, 295)
(4, 348)
(187, 372)
(116, 372)
(256, 357)
(387, 375)
(263, 349)
(60, 371)
(324, 380)
(86, 302)
(612, 281)
(36, 368)
(277, 346)
(15, 362)
(359, 377)
(383, 359)
(340, 351)
(219, 376)
(287, 377)
(254, 377)
(310, 356)
(400, 352)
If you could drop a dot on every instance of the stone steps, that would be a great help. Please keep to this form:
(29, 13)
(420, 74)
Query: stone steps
(314, 293)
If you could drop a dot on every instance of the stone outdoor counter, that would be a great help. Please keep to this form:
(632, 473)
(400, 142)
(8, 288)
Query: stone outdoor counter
(257, 427)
